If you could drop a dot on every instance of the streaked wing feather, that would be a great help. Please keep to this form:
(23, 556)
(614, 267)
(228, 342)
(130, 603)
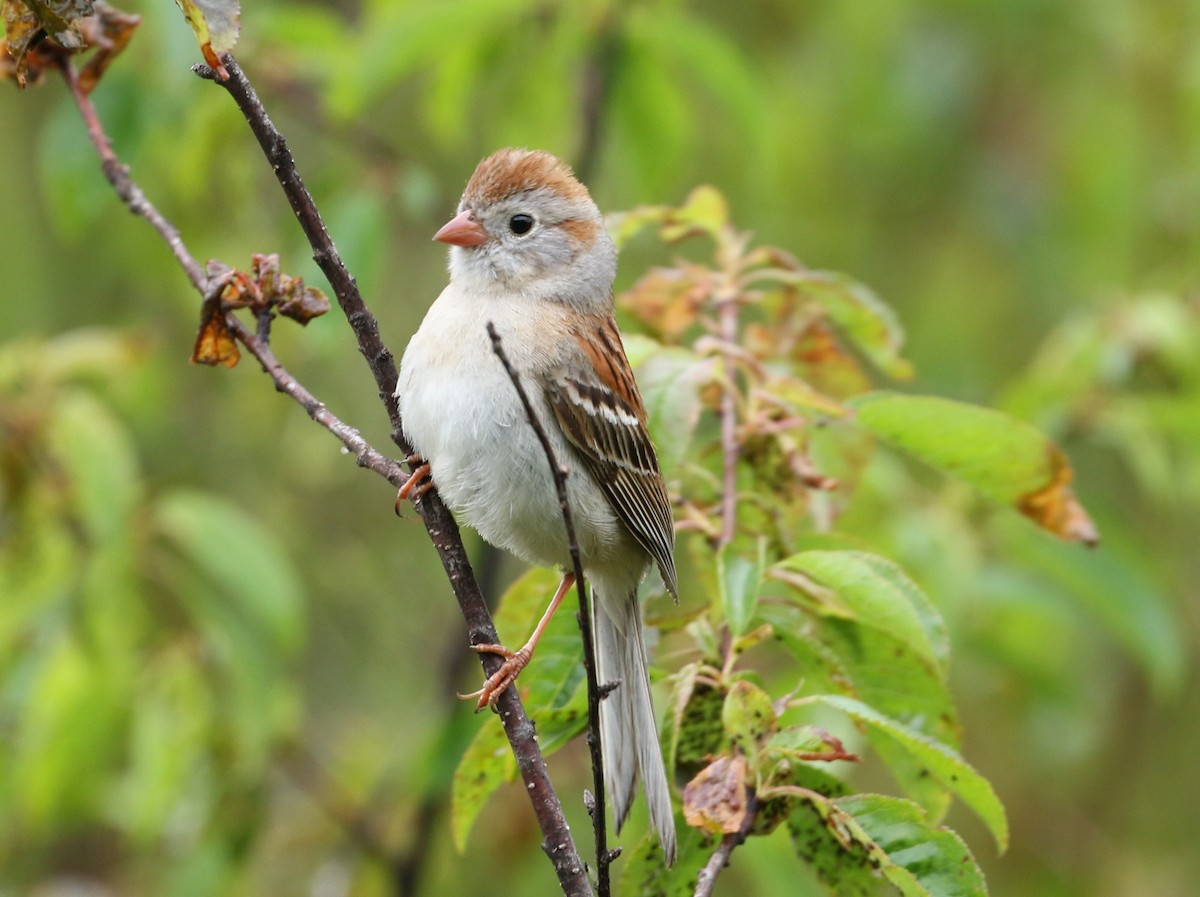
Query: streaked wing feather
(600, 411)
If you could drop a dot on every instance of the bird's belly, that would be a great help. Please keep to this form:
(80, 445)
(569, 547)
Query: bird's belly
(488, 465)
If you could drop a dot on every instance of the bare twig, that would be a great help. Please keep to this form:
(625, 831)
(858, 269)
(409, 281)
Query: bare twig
(118, 175)
(440, 524)
(596, 807)
(707, 879)
(364, 453)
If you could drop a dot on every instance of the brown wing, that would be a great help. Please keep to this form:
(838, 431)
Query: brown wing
(600, 410)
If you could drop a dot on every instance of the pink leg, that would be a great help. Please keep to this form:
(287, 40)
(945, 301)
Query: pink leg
(515, 662)
(414, 487)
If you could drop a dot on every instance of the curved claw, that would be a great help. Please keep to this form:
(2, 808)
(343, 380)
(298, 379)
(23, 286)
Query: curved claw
(496, 683)
(417, 484)
(514, 662)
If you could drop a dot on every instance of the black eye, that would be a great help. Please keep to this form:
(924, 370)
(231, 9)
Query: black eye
(520, 224)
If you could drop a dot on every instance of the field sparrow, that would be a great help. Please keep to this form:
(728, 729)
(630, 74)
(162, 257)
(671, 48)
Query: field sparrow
(529, 252)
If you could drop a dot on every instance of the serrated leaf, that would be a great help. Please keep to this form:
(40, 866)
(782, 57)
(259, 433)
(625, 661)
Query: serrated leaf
(876, 592)
(942, 763)
(873, 666)
(841, 873)
(486, 765)
(740, 581)
(1004, 458)
(918, 858)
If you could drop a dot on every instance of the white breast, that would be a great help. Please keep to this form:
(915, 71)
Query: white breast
(462, 415)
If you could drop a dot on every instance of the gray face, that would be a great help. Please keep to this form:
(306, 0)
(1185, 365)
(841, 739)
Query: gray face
(541, 245)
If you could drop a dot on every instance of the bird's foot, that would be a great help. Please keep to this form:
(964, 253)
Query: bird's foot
(514, 662)
(417, 484)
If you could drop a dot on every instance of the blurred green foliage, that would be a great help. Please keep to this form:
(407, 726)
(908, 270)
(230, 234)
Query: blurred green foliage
(1017, 180)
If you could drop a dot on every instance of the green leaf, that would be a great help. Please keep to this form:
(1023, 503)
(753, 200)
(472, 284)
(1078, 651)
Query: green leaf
(648, 111)
(861, 317)
(877, 593)
(69, 736)
(644, 874)
(940, 761)
(240, 556)
(1004, 458)
(694, 729)
(399, 40)
(697, 52)
(851, 840)
(168, 735)
(740, 581)
(487, 764)
(748, 717)
(844, 874)
(99, 457)
(1113, 586)
(555, 673)
(705, 211)
(918, 858)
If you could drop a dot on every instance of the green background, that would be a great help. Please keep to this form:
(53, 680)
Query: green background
(1019, 180)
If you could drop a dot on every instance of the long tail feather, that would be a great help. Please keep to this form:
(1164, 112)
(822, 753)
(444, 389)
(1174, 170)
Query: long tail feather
(628, 733)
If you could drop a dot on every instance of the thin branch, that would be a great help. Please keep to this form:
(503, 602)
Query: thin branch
(727, 311)
(364, 453)
(275, 148)
(707, 879)
(440, 524)
(596, 806)
(118, 176)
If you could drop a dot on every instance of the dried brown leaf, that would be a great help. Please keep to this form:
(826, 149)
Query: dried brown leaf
(1054, 507)
(716, 799)
(41, 35)
(214, 343)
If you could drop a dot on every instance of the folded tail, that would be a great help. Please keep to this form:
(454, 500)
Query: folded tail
(628, 732)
